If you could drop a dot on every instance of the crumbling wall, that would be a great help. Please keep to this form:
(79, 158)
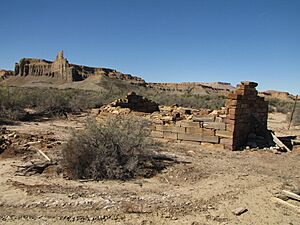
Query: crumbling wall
(136, 103)
(246, 115)
(200, 130)
(245, 118)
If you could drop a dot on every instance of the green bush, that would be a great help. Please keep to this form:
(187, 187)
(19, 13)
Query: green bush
(118, 148)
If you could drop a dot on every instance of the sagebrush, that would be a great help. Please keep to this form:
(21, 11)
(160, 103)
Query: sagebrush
(117, 148)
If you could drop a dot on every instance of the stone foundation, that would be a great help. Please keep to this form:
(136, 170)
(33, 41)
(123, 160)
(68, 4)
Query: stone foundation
(245, 118)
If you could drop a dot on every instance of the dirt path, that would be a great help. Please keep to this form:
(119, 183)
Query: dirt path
(204, 191)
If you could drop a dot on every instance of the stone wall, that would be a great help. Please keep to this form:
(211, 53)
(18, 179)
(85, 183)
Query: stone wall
(245, 119)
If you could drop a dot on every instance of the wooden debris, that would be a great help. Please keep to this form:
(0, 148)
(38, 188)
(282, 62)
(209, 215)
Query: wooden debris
(279, 143)
(43, 154)
(291, 195)
(270, 135)
(280, 201)
(239, 211)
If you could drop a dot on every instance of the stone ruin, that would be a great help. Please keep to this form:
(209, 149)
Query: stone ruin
(136, 103)
(62, 69)
(242, 123)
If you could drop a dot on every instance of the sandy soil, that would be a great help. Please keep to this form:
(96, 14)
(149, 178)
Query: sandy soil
(202, 190)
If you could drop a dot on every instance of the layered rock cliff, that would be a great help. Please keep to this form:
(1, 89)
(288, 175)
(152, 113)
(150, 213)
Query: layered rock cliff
(61, 68)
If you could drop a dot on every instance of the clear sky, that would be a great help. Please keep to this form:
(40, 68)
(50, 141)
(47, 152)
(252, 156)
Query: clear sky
(162, 40)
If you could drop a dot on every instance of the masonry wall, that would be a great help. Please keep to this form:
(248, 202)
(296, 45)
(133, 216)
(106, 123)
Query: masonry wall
(246, 113)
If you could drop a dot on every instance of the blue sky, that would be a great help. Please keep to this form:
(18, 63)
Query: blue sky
(162, 40)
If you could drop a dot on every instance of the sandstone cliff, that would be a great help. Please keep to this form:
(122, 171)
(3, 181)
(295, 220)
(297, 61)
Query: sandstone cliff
(6, 73)
(61, 68)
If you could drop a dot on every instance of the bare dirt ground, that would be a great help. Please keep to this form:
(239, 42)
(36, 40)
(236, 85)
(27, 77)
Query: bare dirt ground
(203, 191)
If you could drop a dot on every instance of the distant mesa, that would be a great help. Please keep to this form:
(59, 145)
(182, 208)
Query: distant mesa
(5, 74)
(36, 72)
(61, 68)
(277, 94)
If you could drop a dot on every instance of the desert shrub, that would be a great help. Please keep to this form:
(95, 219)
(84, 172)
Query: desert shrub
(45, 101)
(278, 105)
(118, 148)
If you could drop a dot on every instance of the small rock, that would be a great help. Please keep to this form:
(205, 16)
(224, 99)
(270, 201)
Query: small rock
(239, 211)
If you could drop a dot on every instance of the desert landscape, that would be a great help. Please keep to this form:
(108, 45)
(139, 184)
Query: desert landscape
(84, 145)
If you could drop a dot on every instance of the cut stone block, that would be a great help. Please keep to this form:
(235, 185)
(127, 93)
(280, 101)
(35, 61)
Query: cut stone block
(184, 123)
(204, 118)
(214, 125)
(200, 138)
(224, 133)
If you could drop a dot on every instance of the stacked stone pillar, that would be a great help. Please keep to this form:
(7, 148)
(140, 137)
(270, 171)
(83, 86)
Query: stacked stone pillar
(246, 114)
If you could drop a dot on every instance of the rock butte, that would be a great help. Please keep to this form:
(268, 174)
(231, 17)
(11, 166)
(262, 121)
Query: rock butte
(61, 68)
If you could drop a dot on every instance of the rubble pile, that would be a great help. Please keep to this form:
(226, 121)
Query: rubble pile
(136, 103)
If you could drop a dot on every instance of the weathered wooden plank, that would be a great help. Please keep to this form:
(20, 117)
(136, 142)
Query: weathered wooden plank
(279, 143)
(291, 195)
